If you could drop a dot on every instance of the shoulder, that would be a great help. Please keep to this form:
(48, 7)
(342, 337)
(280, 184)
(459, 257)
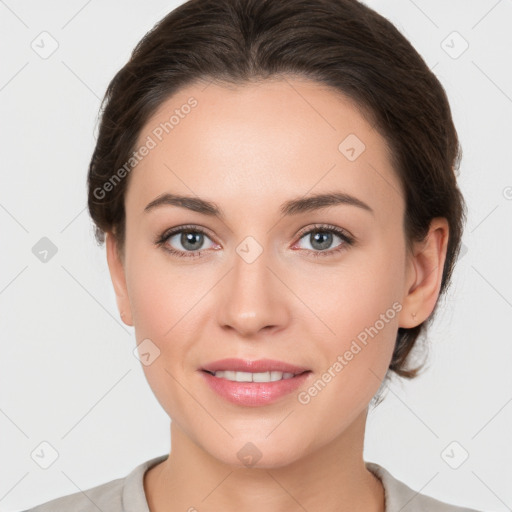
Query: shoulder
(400, 497)
(124, 494)
(107, 496)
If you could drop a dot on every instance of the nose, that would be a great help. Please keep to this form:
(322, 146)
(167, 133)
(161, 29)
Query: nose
(252, 299)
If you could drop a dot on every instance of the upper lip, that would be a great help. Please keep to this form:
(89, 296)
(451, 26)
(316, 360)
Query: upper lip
(257, 366)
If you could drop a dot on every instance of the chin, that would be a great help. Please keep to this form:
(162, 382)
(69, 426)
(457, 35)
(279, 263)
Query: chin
(257, 453)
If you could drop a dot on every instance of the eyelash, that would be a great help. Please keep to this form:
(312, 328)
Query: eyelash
(322, 228)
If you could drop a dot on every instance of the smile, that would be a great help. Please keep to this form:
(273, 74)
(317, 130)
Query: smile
(272, 376)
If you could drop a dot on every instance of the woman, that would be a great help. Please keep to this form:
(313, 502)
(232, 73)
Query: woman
(275, 183)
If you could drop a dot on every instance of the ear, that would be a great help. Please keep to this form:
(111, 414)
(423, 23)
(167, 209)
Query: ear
(117, 274)
(424, 275)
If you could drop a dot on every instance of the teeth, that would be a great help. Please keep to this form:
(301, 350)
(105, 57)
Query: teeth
(253, 377)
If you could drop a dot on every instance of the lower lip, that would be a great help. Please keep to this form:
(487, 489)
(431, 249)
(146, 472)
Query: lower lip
(254, 394)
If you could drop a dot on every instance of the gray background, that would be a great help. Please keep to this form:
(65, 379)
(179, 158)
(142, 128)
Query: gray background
(68, 375)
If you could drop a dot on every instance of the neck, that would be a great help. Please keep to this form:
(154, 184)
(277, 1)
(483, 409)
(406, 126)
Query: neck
(333, 478)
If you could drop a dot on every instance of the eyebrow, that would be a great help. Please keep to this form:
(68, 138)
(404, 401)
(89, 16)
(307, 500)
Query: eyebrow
(291, 207)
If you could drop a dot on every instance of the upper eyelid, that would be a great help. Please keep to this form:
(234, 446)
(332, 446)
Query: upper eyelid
(180, 229)
(324, 227)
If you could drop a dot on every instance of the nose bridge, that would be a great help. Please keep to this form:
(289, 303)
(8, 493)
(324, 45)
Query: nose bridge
(252, 299)
(251, 261)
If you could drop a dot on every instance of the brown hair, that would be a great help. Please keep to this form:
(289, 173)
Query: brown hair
(340, 43)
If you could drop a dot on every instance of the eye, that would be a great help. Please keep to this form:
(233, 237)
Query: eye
(320, 238)
(185, 241)
(188, 241)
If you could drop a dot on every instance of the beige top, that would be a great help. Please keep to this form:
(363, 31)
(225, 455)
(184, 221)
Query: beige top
(127, 495)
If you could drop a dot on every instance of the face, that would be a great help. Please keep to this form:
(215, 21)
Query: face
(319, 285)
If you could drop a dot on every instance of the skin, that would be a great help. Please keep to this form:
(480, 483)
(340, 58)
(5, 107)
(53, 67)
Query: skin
(250, 148)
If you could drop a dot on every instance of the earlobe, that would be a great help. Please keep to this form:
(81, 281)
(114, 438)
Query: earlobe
(117, 275)
(425, 275)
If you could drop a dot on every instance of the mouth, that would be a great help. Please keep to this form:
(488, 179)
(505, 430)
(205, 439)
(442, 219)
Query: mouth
(261, 370)
(254, 383)
(270, 376)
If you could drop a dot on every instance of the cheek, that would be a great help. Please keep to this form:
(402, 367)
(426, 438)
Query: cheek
(168, 308)
(163, 302)
(163, 295)
(356, 357)
(361, 292)
(358, 303)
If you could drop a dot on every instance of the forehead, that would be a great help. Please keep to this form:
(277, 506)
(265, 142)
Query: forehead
(256, 144)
